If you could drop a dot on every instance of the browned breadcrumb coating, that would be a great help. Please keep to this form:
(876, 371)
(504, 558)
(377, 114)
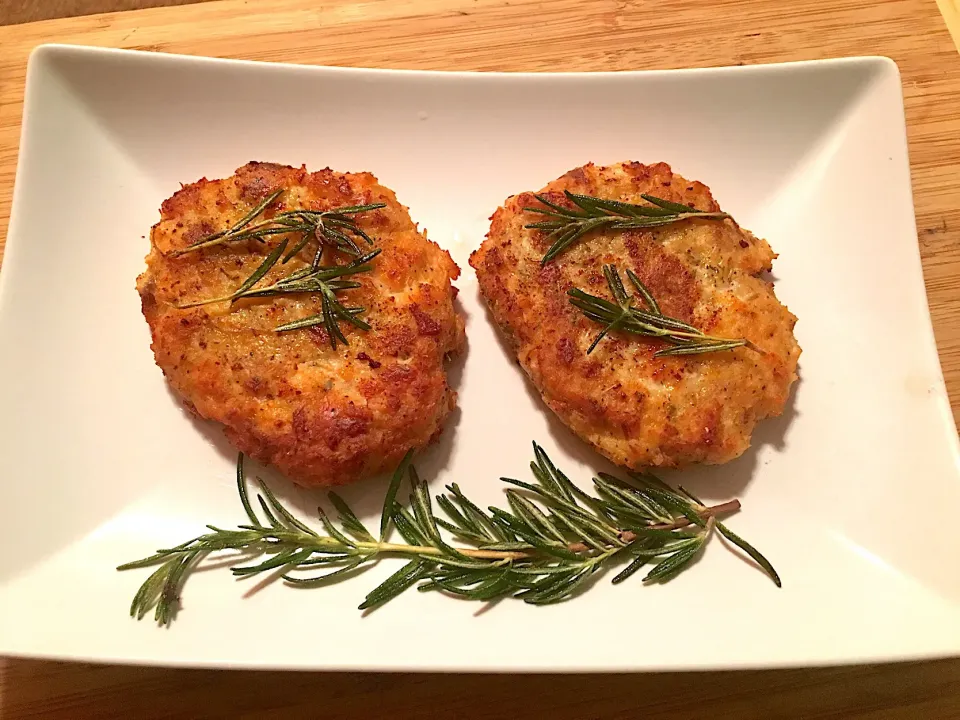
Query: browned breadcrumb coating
(635, 409)
(323, 416)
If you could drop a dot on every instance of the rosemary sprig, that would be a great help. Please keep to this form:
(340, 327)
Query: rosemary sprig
(335, 228)
(567, 225)
(325, 280)
(546, 548)
(622, 314)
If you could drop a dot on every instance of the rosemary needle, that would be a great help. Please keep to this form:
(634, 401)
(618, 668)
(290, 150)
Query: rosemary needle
(567, 225)
(268, 262)
(326, 281)
(545, 549)
(649, 321)
(335, 228)
(225, 235)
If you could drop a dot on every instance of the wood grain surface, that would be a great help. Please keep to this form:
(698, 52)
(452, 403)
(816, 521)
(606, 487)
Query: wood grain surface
(22, 11)
(540, 36)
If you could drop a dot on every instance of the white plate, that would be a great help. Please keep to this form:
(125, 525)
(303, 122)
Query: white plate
(852, 493)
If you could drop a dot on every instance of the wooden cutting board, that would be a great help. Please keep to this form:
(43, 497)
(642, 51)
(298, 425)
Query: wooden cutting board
(539, 36)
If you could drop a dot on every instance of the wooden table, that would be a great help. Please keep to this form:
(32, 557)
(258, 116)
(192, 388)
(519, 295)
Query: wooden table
(535, 35)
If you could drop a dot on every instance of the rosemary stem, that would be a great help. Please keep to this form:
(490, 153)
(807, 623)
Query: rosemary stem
(200, 303)
(423, 550)
(703, 215)
(691, 335)
(326, 544)
(721, 509)
(627, 536)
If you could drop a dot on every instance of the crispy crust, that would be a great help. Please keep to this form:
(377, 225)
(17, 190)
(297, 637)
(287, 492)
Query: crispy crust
(637, 410)
(322, 416)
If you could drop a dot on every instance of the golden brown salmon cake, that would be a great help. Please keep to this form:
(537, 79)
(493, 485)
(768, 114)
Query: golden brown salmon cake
(322, 415)
(637, 409)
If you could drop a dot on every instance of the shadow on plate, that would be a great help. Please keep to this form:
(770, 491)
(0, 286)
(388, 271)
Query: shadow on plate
(211, 431)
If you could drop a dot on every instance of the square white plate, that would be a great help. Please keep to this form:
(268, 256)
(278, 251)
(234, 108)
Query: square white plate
(852, 493)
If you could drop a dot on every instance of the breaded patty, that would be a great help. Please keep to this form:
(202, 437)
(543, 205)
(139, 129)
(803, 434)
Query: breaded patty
(638, 410)
(323, 416)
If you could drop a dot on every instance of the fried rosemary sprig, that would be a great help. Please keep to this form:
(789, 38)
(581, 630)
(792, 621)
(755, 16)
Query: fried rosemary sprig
(334, 228)
(545, 549)
(325, 280)
(567, 225)
(622, 314)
